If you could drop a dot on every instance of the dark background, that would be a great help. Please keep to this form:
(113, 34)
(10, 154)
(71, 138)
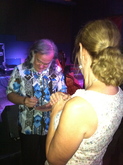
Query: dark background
(24, 21)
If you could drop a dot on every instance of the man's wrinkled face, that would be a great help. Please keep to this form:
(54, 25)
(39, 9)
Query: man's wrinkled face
(41, 62)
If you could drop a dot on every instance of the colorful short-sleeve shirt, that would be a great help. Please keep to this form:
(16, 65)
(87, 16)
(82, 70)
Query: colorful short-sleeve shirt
(28, 82)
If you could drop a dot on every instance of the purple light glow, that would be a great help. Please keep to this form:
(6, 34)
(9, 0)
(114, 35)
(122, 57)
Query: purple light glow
(16, 52)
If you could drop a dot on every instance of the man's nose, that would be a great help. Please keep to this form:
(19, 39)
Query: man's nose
(41, 66)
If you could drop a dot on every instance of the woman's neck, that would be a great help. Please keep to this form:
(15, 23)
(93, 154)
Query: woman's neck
(89, 81)
(99, 86)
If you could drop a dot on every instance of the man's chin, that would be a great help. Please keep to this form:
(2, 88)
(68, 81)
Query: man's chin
(39, 70)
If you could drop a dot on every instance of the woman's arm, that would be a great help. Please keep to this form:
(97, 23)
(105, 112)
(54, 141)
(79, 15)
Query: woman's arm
(76, 123)
(55, 97)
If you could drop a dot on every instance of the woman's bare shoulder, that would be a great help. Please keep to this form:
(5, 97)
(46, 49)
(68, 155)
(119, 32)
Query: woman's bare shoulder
(77, 102)
(82, 111)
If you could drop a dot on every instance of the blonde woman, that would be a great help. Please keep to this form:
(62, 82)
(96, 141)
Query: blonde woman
(82, 126)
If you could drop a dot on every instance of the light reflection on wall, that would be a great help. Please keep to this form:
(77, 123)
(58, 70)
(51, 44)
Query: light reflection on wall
(17, 50)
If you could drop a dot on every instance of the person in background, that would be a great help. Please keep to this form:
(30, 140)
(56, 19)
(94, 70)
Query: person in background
(62, 59)
(83, 125)
(31, 84)
(70, 80)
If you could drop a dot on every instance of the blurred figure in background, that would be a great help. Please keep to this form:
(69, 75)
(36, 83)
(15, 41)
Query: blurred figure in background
(71, 82)
(62, 58)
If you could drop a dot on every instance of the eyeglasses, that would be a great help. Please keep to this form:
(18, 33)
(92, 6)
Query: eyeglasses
(42, 63)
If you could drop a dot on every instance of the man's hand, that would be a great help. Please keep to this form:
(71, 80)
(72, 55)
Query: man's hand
(30, 102)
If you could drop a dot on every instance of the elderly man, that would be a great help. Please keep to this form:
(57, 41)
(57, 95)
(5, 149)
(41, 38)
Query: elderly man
(31, 84)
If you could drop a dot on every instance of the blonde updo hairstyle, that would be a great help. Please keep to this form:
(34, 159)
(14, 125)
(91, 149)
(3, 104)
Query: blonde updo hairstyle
(101, 38)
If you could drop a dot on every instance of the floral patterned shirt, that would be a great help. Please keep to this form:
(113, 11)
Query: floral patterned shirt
(28, 82)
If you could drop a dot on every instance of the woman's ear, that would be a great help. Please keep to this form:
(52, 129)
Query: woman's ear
(80, 50)
(80, 47)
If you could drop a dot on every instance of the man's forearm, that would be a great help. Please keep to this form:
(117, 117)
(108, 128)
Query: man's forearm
(16, 98)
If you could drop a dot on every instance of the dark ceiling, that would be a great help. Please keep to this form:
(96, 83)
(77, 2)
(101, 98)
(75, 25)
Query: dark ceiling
(25, 17)
(66, 2)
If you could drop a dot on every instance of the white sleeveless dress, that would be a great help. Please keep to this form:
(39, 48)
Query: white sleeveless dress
(109, 110)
